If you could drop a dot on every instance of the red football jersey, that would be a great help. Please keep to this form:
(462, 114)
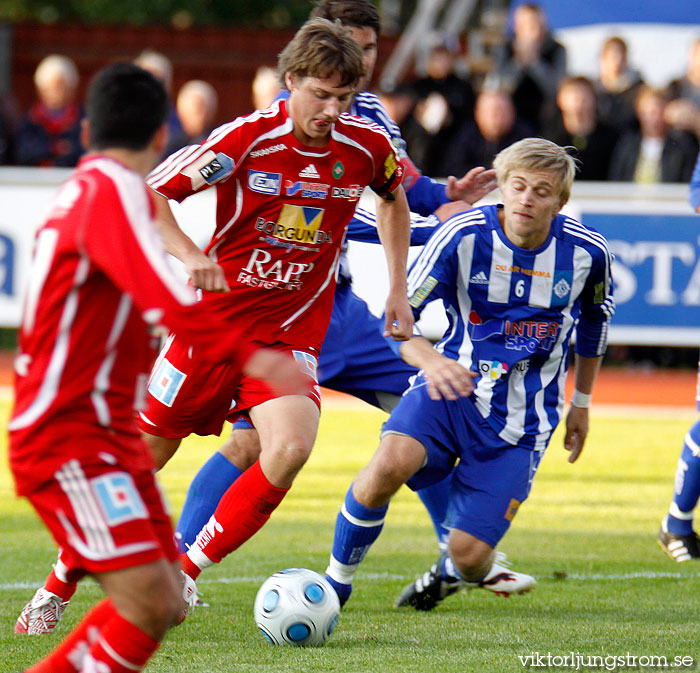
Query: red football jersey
(281, 215)
(99, 277)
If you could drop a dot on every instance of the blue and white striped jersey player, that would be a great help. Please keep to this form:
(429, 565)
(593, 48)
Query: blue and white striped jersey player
(676, 535)
(516, 281)
(355, 358)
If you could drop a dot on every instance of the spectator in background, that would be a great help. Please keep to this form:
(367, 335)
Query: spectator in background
(161, 67)
(617, 86)
(6, 135)
(265, 88)
(576, 124)
(444, 99)
(530, 66)
(197, 102)
(495, 126)
(49, 133)
(683, 110)
(656, 152)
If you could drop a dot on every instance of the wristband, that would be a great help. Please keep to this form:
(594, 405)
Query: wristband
(580, 400)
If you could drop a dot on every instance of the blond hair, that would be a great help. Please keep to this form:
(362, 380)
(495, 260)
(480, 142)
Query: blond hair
(322, 48)
(537, 154)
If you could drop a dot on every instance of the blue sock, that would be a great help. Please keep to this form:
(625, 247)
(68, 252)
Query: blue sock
(203, 495)
(356, 528)
(687, 486)
(436, 498)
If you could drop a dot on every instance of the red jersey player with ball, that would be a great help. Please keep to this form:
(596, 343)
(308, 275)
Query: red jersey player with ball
(287, 180)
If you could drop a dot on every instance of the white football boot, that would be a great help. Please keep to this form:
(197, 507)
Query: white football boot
(41, 614)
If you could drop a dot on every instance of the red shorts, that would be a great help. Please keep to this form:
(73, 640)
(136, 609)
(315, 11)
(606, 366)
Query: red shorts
(187, 395)
(105, 517)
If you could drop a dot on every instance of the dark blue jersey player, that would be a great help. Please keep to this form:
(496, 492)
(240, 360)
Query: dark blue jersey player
(676, 536)
(517, 280)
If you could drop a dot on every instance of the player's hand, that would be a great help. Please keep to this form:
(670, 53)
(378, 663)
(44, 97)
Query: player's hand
(576, 432)
(205, 273)
(398, 317)
(280, 371)
(472, 186)
(446, 378)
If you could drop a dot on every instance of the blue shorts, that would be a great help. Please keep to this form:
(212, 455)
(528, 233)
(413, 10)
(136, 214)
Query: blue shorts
(355, 358)
(492, 478)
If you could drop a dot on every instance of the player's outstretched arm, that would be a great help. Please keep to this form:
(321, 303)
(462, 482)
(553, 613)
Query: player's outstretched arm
(472, 186)
(205, 273)
(577, 419)
(445, 377)
(394, 227)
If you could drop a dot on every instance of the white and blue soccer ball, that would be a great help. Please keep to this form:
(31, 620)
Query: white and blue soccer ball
(296, 607)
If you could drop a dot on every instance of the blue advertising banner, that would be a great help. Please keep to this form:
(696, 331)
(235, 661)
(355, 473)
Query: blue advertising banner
(656, 274)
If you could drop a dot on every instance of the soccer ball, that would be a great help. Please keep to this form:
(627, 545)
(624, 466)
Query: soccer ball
(296, 607)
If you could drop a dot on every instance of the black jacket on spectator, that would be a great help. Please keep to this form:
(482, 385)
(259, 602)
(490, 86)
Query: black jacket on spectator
(469, 148)
(594, 151)
(677, 158)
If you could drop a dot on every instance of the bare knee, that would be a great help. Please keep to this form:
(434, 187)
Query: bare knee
(242, 448)
(472, 557)
(396, 460)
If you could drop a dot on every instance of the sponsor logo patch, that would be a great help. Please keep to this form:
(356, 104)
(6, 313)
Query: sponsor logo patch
(306, 190)
(166, 383)
(389, 166)
(268, 150)
(264, 183)
(309, 172)
(423, 291)
(217, 169)
(351, 193)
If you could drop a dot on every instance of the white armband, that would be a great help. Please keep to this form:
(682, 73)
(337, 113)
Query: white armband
(580, 400)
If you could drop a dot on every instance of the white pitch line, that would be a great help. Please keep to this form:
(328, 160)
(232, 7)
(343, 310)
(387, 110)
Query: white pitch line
(259, 579)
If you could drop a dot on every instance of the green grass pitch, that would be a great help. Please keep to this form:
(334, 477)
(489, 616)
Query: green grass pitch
(587, 534)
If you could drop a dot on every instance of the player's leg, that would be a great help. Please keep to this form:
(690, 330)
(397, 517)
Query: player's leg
(127, 544)
(358, 360)
(676, 535)
(361, 517)
(214, 478)
(488, 485)
(43, 612)
(287, 427)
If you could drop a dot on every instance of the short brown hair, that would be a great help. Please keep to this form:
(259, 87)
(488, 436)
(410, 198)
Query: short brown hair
(354, 13)
(322, 48)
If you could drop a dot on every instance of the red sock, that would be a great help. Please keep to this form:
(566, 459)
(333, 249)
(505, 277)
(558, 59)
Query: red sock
(241, 512)
(123, 647)
(68, 656)
(64, 590)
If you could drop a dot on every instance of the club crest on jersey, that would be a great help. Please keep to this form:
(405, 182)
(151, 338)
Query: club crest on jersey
(297, 225)
(306, 190)
(351, 193)
(338, 170)
(561, 288)
(264, 183)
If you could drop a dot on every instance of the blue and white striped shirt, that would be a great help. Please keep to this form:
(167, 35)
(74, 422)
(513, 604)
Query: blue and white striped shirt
(512, 313)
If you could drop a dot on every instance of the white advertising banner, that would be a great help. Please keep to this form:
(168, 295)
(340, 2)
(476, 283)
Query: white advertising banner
(652, 232)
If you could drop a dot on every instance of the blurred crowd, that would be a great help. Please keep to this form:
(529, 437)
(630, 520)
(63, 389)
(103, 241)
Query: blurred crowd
(452, 119)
